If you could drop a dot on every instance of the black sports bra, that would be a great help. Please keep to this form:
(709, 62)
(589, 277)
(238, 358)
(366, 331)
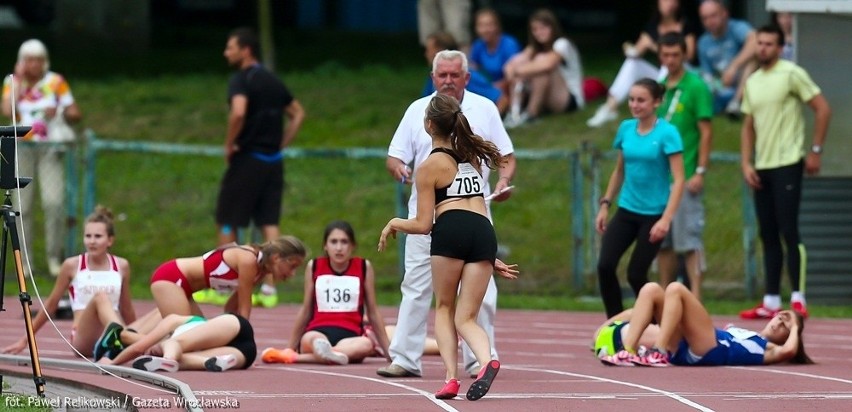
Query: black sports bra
(467, 183)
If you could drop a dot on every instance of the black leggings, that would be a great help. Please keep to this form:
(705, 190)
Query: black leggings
(625, 228)
(777, 206)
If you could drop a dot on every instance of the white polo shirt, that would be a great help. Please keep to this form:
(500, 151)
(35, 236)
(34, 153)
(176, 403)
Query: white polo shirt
(411, 143)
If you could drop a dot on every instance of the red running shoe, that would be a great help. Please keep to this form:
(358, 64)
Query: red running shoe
(449, 391)
(759, 312)
(483, 381)
(799, 307)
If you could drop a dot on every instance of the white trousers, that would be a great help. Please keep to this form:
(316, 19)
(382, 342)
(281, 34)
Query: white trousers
(632, 70)
(406, 347)
(45, 165)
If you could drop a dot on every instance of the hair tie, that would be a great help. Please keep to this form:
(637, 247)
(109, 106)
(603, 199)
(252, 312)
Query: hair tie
(457, 112)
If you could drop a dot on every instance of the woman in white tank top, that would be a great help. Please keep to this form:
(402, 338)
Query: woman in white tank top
(98, 283)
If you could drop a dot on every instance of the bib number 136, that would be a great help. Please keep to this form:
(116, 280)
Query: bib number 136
(337, 293)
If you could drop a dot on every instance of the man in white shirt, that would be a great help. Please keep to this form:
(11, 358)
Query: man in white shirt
(411, 145)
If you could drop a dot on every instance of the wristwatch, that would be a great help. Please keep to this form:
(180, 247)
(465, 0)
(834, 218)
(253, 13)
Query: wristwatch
(817, 149)
(700, 170)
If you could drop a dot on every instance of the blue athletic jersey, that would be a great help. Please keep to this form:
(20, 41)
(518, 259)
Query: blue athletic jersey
(647, 173)
(736, 347)
(491, 64)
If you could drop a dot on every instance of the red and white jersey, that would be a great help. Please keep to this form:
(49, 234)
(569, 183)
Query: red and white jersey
(338, 297)
(87, 283)
(217, 273)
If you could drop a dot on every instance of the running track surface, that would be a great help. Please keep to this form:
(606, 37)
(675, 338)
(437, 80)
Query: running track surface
(547, 365)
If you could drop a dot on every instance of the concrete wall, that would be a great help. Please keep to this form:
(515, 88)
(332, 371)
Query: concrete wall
(822, 31)
(822, 48)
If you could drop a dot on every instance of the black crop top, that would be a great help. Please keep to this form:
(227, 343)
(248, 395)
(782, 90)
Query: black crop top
(467, 183)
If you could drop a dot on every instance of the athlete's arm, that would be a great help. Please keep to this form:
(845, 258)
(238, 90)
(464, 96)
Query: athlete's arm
(305, 311)
(236, 120)
(247, 270)
(125, 303)
(612, 189)
(295, 114)
(376, 320)
(163, 329)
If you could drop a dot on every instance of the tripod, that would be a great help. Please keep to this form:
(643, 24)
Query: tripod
(9, 181)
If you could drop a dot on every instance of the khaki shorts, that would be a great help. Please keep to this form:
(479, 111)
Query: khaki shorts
(688, 225)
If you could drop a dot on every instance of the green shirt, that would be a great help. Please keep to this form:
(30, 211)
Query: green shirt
(694, 103)
(774, 100)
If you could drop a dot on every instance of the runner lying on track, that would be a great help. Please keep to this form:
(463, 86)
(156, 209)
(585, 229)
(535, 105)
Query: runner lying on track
(687, 337)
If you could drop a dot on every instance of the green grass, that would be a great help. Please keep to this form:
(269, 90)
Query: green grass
(353, 98)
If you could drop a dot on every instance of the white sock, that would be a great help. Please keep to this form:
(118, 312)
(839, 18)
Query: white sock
(268, 289)
(797, 297)
(772, 302)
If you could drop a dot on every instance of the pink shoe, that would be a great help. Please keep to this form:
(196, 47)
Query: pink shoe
(449, 391)
(654, 358)
(622, 358)
(759, 312)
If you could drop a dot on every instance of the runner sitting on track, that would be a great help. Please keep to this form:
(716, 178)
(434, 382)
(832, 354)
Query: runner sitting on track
(181, 342)
(98, 283)
(329, 327)
(687, 336)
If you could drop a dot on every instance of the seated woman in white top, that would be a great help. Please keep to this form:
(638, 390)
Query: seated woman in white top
(98, 284)
(547, 74)
(668, 18)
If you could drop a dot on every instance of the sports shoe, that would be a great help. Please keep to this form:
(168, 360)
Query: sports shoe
(512, 121)
(264, 300)
(622, 358)
(109, 343)
(654, 357)
(800, 308)
(272, 355)
(395, 371)
(603, 115)
(155, 363)
(324, 350)
(473, 369)
(449, 391)
(220, 363)
(759, 312)
(733, 109)
(483, 382)
(210, 296)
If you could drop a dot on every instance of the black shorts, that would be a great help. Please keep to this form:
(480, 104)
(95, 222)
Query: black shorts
(335, 334)
(244, 341)
(251, 190)
(465, 235)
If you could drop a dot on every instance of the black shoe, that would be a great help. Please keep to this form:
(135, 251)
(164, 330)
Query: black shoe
(109, 344)
(482, 384)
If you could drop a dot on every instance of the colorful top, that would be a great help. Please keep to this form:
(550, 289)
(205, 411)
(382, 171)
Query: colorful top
(646, 185)
(33, 100)
(338, 297)
(87, 283)
(774, 98)
(736, 346)
(217, 273)
(684, 105)
(490, 63)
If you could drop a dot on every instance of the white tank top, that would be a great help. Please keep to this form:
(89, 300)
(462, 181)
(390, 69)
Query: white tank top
(87, 283)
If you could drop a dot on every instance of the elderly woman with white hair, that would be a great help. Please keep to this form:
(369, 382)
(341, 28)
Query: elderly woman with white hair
(42, 100)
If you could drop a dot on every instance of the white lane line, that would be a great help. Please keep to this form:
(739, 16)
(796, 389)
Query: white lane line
(802, 374)
(441, 404)
(667, 394)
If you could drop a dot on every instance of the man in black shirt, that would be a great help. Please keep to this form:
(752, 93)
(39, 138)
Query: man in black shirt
(253, 184)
